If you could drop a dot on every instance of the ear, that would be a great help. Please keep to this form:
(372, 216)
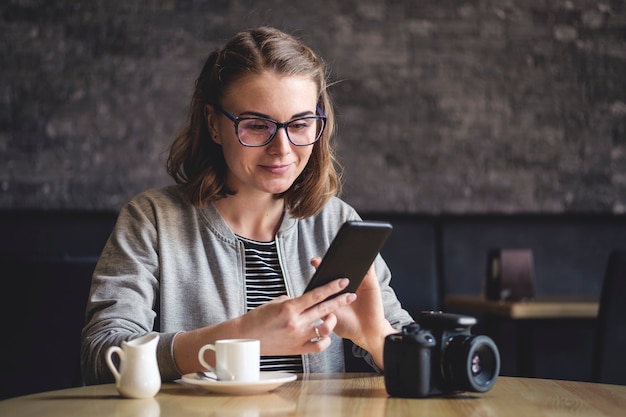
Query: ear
(211, 121)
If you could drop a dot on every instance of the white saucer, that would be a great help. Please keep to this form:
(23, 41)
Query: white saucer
(268, 381)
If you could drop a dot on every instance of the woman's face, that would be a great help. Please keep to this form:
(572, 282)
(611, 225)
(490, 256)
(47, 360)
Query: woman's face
(272, 168)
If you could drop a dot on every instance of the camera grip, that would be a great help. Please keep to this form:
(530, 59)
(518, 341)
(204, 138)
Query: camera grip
(407, 360)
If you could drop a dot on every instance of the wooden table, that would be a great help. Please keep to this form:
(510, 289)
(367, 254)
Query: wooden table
(525, 315)
(330, 395)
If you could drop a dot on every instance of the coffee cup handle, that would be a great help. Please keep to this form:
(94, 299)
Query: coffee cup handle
(108, 357)
(201, 356)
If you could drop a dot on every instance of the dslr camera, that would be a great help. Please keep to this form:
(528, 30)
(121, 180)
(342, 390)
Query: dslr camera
(438, 355)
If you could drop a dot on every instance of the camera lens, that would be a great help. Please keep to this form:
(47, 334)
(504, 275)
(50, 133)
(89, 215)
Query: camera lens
(471, 363)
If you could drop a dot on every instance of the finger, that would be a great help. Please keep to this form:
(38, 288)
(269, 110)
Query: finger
(319, 294)
(318, 346)
(318, 335)
(316, 262)
(321, 329)
(325, 325)
(326, 308)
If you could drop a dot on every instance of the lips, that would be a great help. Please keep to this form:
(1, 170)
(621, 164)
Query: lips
(276, 169)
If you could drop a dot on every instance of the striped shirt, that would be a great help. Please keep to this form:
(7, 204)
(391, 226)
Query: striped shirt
(265, 282)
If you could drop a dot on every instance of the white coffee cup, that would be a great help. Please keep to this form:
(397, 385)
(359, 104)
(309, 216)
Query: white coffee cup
(235, 359)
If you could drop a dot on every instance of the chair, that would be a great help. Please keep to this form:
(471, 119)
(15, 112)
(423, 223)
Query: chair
(47, 258)
(43, 309)
(609, 356)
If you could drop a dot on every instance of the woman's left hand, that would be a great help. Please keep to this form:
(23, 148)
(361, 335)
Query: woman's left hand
(363, 321)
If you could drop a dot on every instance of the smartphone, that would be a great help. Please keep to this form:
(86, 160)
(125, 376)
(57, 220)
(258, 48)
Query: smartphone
(351, 253)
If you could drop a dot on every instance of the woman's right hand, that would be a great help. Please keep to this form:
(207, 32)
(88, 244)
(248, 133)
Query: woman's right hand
(284, 326)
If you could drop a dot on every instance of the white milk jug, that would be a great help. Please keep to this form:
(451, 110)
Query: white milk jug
(138, 376)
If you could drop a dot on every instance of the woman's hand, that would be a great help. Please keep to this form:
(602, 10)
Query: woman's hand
(363, 321)
(284, 326)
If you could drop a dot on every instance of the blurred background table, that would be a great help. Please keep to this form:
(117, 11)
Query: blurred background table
(332, 395)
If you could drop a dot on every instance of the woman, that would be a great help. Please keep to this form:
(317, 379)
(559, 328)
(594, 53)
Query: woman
(256, 184)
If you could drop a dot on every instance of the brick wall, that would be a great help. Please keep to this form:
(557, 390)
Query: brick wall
(444, 106)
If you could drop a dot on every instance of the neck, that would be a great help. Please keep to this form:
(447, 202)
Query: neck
(256, 220)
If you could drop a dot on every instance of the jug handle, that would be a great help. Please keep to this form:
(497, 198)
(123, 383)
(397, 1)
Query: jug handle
(109, 361)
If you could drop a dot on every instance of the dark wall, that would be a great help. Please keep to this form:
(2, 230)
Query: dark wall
(46, 261)
(444, 106)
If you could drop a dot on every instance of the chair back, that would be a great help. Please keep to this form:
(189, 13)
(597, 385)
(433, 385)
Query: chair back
(609, 357)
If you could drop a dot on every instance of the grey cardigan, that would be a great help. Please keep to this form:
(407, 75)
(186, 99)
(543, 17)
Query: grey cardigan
(169, 266)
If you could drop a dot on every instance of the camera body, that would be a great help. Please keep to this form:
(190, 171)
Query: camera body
(438, 355)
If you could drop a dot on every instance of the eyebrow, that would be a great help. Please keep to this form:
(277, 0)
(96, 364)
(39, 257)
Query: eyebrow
(265, 116)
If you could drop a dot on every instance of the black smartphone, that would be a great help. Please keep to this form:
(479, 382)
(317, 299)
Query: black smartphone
(351, 253)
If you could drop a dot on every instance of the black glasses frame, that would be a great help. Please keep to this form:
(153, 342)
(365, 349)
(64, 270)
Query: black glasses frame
(236, 120)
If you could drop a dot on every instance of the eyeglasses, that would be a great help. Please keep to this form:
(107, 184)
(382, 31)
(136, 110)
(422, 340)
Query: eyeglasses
(259, 131)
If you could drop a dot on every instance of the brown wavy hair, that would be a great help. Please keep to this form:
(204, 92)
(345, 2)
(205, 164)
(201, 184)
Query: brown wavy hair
(195, 160)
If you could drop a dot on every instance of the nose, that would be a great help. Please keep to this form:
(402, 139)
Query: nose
(280, 142)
